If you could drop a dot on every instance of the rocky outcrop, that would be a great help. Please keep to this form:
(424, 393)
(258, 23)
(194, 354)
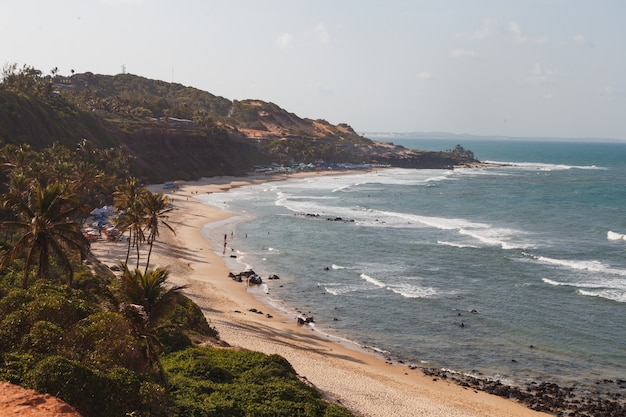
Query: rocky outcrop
(606, 401)
(17, 401)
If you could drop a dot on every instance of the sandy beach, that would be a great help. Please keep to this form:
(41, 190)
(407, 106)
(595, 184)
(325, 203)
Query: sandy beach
(364, 382)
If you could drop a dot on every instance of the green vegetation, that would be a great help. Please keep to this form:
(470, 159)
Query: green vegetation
(217, 382)
(112, 345)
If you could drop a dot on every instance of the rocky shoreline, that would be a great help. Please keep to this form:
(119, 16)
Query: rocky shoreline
(606, 401)
(548, 397)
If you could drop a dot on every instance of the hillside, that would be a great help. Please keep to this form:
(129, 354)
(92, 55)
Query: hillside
(178, 132)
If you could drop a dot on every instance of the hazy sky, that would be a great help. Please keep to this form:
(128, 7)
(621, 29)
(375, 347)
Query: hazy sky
(515, 68)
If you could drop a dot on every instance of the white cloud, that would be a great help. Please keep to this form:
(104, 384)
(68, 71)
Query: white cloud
(285, 40)
(519, 36)
(324, 90)
(539, 75)
(489, 28)
(608, 91)
(322, 34)
(581, 40)
(424, 75)
(463, 53)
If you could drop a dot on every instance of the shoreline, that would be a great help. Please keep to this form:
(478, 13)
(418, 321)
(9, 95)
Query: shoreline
(357, 377)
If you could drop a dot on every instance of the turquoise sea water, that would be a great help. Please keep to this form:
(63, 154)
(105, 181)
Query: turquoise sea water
(515, 272)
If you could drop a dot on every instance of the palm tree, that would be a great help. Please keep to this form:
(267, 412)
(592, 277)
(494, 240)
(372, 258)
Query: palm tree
(127, 200)
(44, 221)
(156, 208)
(18, 159)
(147, 302)
(88, 181)
(149, 291)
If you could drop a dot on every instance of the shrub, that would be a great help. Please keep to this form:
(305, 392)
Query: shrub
(14, 366)
(208, 382)
(57, 303)
(189, 316)
(43, 339)
(173, 339)
(106, 340)
(116, 393)
(74, 383)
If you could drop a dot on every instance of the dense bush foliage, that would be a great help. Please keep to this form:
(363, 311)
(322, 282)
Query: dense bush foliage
(60, 340)
(211, 382)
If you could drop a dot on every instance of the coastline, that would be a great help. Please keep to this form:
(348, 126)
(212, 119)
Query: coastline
(360, 380)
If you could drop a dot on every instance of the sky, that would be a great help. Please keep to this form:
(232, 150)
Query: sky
(527, 68)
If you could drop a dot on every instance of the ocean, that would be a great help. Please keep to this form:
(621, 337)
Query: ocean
(515, 272)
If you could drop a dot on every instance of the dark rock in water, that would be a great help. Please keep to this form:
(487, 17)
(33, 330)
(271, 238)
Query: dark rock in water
(245, 275)
(305, 319)
(326, 269)
(273, 276)
(255, 279)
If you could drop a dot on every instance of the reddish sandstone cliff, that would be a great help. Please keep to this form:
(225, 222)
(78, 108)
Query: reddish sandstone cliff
(17, 401)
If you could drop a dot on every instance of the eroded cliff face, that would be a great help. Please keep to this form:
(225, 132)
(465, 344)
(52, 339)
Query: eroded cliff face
(17, 401)
(176, 132)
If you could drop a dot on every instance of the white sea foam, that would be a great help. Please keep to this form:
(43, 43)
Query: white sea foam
(333, 291)
(337, 267)
(614, 295)
(485, 233)
(591, 266)
(494, 236)
(281, 199)
(340, 288)
(540, 166)
(372, 280)
(611, 289)
(455, 244)
(414, 291)
(610, 235)
(344, 187)
(555, 283)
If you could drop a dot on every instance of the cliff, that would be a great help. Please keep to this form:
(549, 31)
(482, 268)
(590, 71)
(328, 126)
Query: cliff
(178, 132)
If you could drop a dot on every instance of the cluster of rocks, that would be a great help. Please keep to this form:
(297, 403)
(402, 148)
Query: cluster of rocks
(330, 219)
(305, 319)
(549, 397)
(251, 277)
